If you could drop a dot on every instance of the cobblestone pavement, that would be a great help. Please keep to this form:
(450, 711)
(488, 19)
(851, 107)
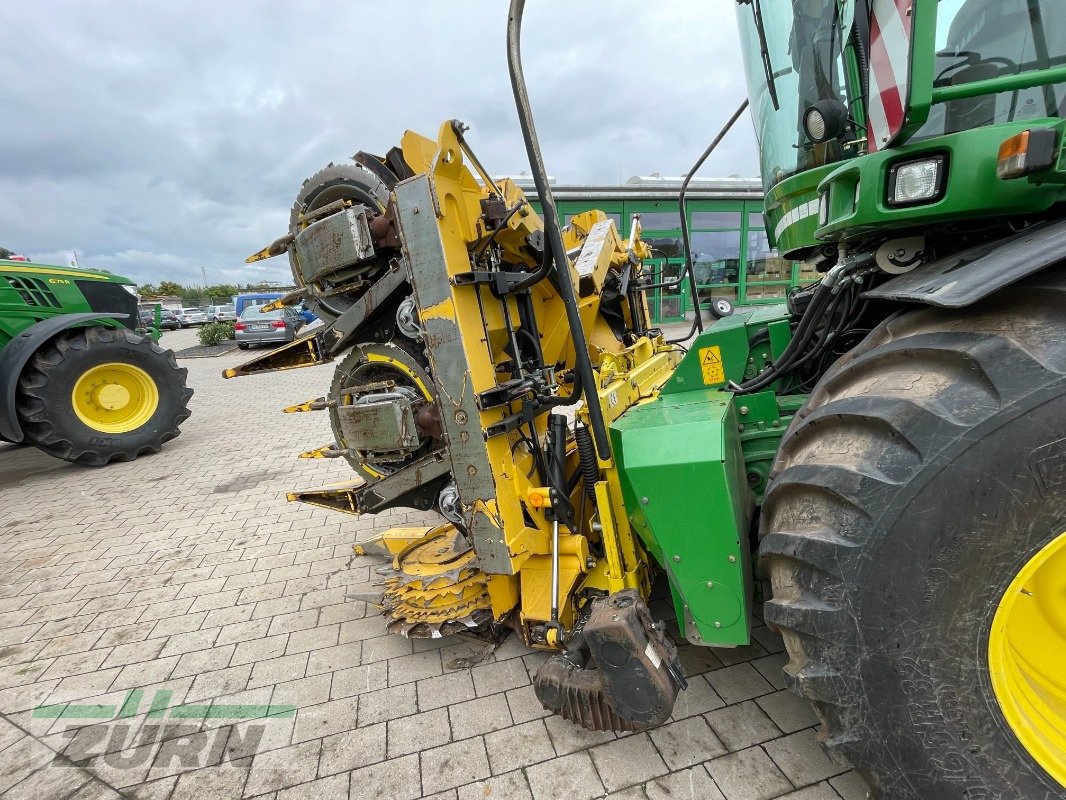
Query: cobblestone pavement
(172, 628)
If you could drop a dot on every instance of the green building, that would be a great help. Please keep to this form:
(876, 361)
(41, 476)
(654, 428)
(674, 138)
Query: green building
(731, 256)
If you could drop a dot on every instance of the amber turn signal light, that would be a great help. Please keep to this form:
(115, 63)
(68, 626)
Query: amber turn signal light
(1027, 152)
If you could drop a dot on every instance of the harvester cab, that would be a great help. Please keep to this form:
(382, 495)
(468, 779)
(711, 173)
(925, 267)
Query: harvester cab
(501, 369)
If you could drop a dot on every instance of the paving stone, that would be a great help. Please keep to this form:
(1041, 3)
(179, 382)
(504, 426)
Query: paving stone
(499, 677)
(415, 667)
(687, 784)
(823, 791)
(479, 716)
(352, 749)
(278, 670)
(518, 746)
(418, 732)
(742, 726)
(332, 659)
(453, 765)
(788, 711)
(748, 775)
(802, 758)
(738, 683)
(687, 742)
(259, 649)
(524, 705)
(396, 779)
(627, 761)
(567, 737)
(359, 680)
(572, 776)
(279, 769)
(444, 690)
(510, 786)
(698, 698)
(223, 780)
(314, 722)
(386, 704)
(851, 786)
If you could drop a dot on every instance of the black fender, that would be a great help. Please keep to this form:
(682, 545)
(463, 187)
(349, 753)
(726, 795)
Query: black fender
(18, 353)
(964, 278)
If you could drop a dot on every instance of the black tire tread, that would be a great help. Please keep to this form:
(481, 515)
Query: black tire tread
(33, 385)
(852, 447)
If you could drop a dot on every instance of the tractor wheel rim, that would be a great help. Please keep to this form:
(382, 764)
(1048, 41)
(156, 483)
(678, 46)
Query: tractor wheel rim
(115, 397)
(1027, 657)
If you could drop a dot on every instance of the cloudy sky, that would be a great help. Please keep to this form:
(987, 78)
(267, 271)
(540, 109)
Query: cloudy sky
(156, 138)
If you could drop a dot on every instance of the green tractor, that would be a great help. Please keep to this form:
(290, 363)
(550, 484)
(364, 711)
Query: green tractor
(913, 527)
(887, 449)
(79, 379)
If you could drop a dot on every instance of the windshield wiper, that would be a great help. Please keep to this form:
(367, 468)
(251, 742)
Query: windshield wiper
(764, 51)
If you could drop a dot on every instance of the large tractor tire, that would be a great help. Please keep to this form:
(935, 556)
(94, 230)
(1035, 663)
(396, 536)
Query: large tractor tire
(96, 395)
(914, 533)
(327, 295)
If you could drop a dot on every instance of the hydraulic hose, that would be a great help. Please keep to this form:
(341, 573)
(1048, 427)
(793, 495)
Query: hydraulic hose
(553, 236)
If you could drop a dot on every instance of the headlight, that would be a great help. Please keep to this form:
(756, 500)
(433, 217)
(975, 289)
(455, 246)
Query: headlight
(131, 289)
(825, 120)
(919, 181)
(823, 209)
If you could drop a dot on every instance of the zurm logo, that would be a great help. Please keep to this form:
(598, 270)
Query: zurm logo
(123, 735)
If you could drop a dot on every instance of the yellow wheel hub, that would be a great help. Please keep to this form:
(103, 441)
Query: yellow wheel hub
(1027, 657)
(115, 397)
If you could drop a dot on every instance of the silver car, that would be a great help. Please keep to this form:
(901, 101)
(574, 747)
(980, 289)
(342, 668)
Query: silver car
(270, 327)
(221, 313)
(191, 316)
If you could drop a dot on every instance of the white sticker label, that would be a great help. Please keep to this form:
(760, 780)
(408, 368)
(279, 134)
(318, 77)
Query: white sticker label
(653, 655)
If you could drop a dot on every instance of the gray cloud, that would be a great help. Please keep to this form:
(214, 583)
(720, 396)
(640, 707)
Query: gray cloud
(158, 138)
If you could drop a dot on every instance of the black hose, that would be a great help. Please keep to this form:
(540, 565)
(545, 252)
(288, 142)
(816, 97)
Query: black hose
(554, 239)
(689, 271)
(586, 454)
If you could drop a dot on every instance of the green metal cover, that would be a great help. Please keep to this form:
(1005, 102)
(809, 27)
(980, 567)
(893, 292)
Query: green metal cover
(686, 495)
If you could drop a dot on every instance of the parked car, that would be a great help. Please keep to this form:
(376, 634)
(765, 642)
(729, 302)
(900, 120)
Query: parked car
(191, 316)
(221, 313)
(169, 321)
(269, 327)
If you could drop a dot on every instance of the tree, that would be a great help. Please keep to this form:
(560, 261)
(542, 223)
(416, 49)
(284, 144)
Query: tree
(148, 289)
(170, 287)
(220, 291)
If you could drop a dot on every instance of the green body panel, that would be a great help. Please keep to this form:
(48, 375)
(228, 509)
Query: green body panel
(732, 335)
(694, 463)
(972, 191)
(792, 211)
(51, 290)
(686, 495)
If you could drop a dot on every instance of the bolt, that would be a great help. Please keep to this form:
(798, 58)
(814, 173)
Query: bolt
(718, 624)
(416, 210)
(696, 637)
(590, 563)
(472, 471)
(743, 409)
(644, 501)
(732, 559)
(464, 436)
(710, 584)
(740, 428)
(460, 417)
(677, 559)
(776, 423)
